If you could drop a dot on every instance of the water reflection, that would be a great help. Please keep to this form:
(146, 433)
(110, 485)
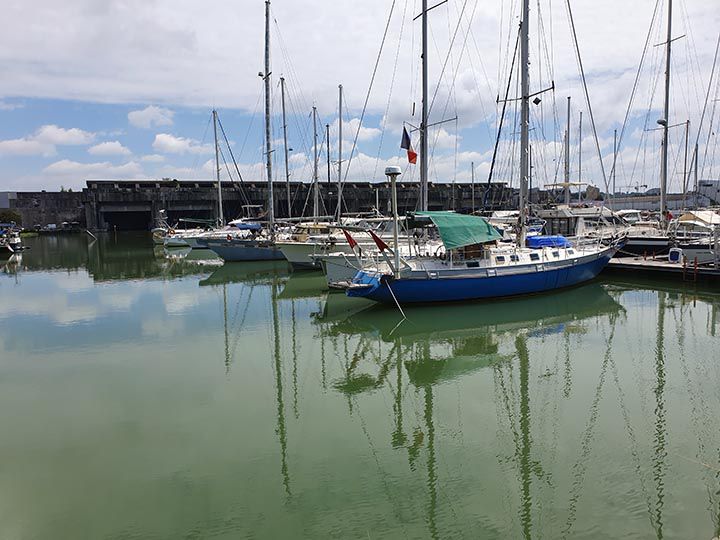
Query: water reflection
(112, 257)
(444, 344)
(590, 413)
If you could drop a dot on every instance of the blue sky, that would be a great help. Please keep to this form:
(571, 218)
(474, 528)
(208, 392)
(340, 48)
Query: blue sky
(125, 89)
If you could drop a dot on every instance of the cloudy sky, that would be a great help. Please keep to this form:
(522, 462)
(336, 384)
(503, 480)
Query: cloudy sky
(125, 88)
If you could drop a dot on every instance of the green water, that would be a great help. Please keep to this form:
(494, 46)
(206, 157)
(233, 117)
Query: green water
(152, 398)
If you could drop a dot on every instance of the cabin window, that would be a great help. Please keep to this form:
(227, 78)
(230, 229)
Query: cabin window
(556, 254)
(500, 259)
(570, 251)
(473, 264)
(514, 258)
(534, 257)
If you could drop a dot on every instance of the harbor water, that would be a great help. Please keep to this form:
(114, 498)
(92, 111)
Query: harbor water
(154, 397)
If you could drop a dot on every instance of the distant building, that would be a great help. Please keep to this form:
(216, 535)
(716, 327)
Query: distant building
(710, 189)
(5, 198)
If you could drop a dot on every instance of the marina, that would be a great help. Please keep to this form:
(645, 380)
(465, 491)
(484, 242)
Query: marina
(205, 397)
(300, 270)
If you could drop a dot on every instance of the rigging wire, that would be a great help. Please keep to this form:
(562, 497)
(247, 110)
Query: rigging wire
(367, 96)
(502, 113)
(390, 91)
(587, 94)
(707, 98)
(447, 58)
(637, 80)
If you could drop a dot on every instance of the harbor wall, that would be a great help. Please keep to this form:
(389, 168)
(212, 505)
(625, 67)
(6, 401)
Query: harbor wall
(44, 207)
(137, 204)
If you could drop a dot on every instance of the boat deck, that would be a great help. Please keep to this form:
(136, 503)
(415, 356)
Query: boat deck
(661, 267)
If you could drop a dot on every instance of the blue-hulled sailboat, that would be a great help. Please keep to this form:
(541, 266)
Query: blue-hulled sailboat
(476, 265)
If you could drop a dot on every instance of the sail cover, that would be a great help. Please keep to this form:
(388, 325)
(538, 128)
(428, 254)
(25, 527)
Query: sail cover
(460, 230)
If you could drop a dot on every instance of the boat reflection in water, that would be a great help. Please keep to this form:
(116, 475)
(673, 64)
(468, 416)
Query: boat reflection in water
(443, 344)
(549, 486)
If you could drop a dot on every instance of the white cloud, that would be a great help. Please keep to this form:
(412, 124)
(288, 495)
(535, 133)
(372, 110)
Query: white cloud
(44, 141)
(151, 116)
(153, 158)
(73, 170)
(176, 53)
(170, 144)
(109, 148)
(52, 134)
(5, 106)
(26, 147)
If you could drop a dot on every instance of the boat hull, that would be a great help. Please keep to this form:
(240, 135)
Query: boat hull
(338, 269)
(299, 254)
(699, 252)
(238, 251)
(645, 245)
(455, 289)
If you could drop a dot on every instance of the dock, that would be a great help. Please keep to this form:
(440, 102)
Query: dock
(661, 267)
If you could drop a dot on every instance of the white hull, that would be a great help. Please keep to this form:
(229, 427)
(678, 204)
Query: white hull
(339, 268)
(300, 254)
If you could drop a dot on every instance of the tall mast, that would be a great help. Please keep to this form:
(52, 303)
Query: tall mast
(697, 200)
(472, 184)
(327, 147)
(524, 115)
(665, 120)
(287, 169)
(340, 107)
(614, 167)
(530, 179)
(268, 139)
(221, 218)
(579, 173)
(316, 198)
(424, 119)
(686, 175)
(567, 155)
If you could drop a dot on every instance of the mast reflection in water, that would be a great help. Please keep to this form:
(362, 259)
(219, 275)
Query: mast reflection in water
(246, 401)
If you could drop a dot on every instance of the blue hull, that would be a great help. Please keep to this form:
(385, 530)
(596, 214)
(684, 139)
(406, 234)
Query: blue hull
(425, 290)
(245, 251)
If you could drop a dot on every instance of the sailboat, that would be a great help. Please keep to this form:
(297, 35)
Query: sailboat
(257, 245)
(694, 231)
(476, 266)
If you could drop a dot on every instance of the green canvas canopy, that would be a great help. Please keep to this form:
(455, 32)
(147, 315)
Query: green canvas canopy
(460, 230)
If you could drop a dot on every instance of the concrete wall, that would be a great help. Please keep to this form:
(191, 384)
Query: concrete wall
(105, 202)
(42, 208)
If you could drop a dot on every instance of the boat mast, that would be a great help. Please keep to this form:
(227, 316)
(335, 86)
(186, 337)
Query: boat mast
(695, 172)
(686, 174)
(287, 169)
(665, 121)
(424, 119)
(339, 195)
(221, 218)
(614, 169)
(524, 116)
(268, 139)
(567, 155)
(316, 198)
(327, 147)
(579, 173)
(472, 184)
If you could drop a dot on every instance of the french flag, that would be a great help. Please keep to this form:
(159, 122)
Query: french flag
(407, 145)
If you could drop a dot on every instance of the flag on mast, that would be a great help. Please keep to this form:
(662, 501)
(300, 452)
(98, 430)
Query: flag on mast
(382, 246)
(407, 145)
(350, 239)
